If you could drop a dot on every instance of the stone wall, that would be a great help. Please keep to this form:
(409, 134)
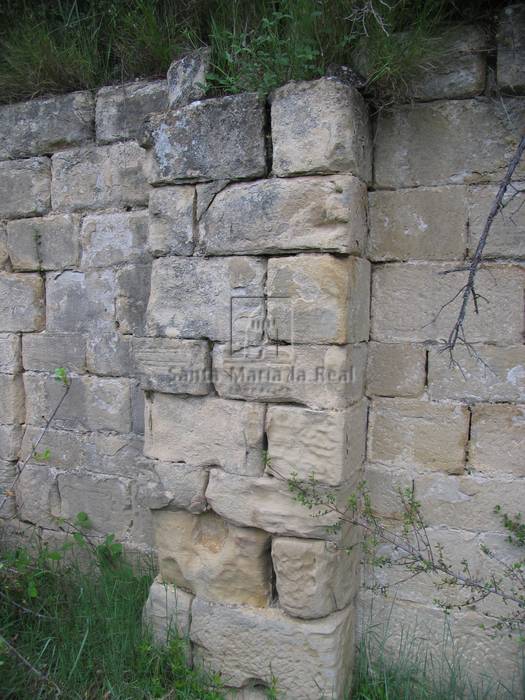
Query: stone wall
(241, 290)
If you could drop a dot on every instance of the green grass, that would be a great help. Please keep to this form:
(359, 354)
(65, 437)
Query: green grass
(53, 47)
(79, 624)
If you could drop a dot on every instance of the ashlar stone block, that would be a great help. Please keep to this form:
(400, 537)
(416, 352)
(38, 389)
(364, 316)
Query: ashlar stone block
(8, 473)
(79, 301)
(410, 302)
(396, 369)
(10, 353)
(178, 486)
(205, 432)
(37, 497)
(173, 366)
(10, 441)
(110, 354)
(511, 49)
(507, 232)
(330, 445)
(187, 76)
(320, 126)
(21, 302)
(306, 659)
(220, 299)
(99, 177)
(314, 578)
(419, 434)
(4, 253)
(111, 239)
(167, 612)
(220, 138)
(48, 243)
(425, 223)
(121, 109)
(44, 352)
(45, 125)
(447, 142)
(213, 558)
(318, 299)
(12, 408)
(497, 444)
(171, 220)
(270, 216)
(25, 187)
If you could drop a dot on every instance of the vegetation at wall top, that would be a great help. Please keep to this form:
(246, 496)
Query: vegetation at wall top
(64, 45)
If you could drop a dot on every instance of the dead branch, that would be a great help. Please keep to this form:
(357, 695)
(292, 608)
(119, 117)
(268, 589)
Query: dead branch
(22, 659)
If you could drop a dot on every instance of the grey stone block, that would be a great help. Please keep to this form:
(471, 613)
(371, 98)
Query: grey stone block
(111, 239)
(172, 366)
(187, 76)
(49, 243)
(44, 352)
(25, 187)
(21, 302)
(171, 220)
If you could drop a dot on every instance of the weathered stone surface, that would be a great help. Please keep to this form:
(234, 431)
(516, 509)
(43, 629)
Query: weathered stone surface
(44, 352)
(498, 440)
(132, 293)
(92, 403)
(37, 497)
(329, 376)
(328, 444)
(214, 559)
(221, 138)
(8, 473)
(457, 141)
(4, 252)
(171, 213)
(21, 302)
(98, 177)
(206, 193)
(310, 213)
(407, 301)
(420, 434)
(201, 298)
(106, 499)
(10, 353)
(49, 243)
(178, 486)
(457, 69)
(507, 232)
(205, 431)
(249, 692)
(45, 125)
(496, 374)
(313, 578)
(395, 369)
(187, 76)
(309, 659)
(167, 612)
(12, 408)
(172, 366)
(320, 126)
(121, 109)
(78, 301)
(266, 503)
(110, 354)
(511, 49)
(324, 299)
(110, 239)
(426, 223)
(10, 441)
(25, 187)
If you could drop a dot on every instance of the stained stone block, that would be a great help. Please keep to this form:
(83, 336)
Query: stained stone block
(187, 76)
(10, 353)
(8, 474)
(492, 374)
(21, 302)
(221, 138)
(171, 212)
(78, 301)
(25, 187)
(10, 441)
(49, 243)
(172, 366)
(92, 403)
(205, 431)
(507, 232)
(317, 376)
(214, 559)
(37, 497)
(12, 407)
(132, 292)
(426, 223)
(447, 142)
(206, 193)
(305, 659)
(179, 486)
(327, 444)
(320, 126)
(4, 253)
(309, 213)
(497, 444)
(314, 578)
(110, 354)
(167, 612)
(44, 352)
(318, 299)
(511, 49)
(419, 434)
(220, 299)
(411, 302)
(111, 239)
(121, 109)
(396, 369)
(45, 125)
(99, 177)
